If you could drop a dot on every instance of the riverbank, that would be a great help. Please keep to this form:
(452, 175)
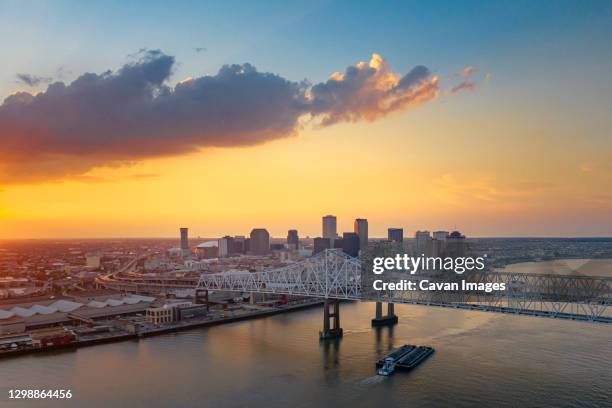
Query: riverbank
(113, 337)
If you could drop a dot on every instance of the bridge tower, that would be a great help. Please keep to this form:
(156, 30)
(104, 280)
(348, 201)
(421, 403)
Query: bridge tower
(333, 330)
(389, 320)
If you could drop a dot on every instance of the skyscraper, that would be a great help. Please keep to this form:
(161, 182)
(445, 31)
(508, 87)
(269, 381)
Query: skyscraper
(329, 227)
(260, 241)
(456, 246)
(226, 246)
(422, 241)
(440, 235)
(293, 240)
(395, 234)
(321, 244)
(350, 244)
(185, 239)
(361, 229)
(439, 242)
(337, 243)
(239, 245)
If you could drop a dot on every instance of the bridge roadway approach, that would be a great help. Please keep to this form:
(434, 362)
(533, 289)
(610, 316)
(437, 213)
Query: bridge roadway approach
(334, 276)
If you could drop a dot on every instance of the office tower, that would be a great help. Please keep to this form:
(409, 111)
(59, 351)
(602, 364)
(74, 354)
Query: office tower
(321, 244)
(395, 234)
(260, 241)
(239, 245)
(329, 227)
(438, 243)
(440, 235)
(350, 244)
(293, 240)
(361, 229)
(434, 247)
(185, 239)
(337, 243)
(456, 246)
(422, 241)
(226, 246)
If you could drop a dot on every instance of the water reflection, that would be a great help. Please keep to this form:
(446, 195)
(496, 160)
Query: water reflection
(481, 359)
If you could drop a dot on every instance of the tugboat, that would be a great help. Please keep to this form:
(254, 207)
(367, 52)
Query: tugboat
(388, 367)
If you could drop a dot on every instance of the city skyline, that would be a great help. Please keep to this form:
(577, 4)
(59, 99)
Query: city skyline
(396, 113)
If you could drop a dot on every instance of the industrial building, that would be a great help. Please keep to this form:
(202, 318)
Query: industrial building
(18, 317)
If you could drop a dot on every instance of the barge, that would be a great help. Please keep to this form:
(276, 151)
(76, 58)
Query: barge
(404, 358)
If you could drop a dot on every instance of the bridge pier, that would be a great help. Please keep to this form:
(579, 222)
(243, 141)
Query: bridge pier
(389, 320)
(333, 330)
(201, 298)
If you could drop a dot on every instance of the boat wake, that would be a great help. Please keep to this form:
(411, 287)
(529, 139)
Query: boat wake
(376, 379)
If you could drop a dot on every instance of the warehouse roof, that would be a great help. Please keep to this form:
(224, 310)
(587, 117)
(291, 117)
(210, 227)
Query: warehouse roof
(65, 306)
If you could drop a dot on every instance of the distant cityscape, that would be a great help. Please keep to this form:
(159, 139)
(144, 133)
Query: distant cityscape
(56, 293)
(71, 292)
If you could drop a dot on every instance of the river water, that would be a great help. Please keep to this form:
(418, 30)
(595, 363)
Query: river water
(481, 359)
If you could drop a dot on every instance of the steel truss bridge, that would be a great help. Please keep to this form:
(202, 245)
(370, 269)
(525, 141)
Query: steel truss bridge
(332, 275)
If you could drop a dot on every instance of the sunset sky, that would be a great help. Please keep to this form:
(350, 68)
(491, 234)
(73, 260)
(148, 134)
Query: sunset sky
(127, 119)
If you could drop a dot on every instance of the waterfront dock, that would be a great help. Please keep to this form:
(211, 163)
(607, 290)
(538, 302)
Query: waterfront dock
(115, 336)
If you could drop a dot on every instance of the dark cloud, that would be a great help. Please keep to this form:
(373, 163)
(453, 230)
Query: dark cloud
(200, 49)
(33, 80)
(463, 86)
(119, 118)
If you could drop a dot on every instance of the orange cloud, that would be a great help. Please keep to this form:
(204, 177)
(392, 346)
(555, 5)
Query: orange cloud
(370, 90)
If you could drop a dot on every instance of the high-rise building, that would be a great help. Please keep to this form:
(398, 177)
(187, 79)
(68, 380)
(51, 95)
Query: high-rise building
(185, 239)
(361, 229)
(395, 234)
(329, 227)
(293, 240)
(239, 245)
(321, 244)
(422, 241)
(435, 247)
(226, 246)
(456, 246)
(440, 235)
(439, 242)
(350, 244)
(260, 241)
(337, 243)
